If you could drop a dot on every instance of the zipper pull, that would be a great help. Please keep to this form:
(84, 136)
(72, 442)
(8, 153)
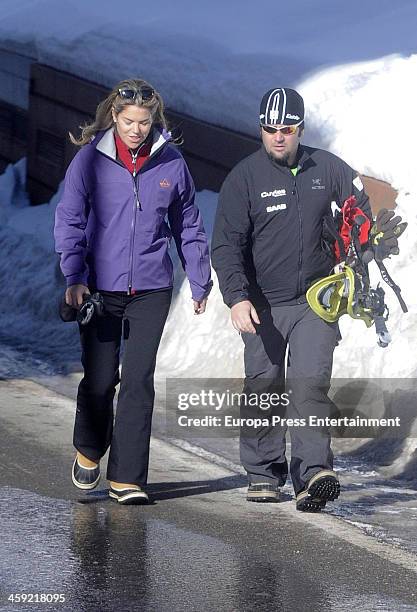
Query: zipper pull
(134, 158)
(294, 188)
(138, 204)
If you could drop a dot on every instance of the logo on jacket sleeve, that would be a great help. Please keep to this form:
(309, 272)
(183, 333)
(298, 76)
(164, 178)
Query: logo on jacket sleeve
(164, 183)
(358, 183)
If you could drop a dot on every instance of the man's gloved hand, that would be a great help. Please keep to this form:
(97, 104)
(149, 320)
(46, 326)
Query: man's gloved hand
(385, 233)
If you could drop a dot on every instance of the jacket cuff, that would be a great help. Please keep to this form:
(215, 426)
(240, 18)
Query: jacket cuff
(243, 297)
(198, 296)
(77, 279)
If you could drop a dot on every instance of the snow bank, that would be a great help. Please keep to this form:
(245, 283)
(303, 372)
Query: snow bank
(212, 60)
(215, 63)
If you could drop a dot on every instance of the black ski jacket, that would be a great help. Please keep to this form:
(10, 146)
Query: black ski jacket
(267, 237)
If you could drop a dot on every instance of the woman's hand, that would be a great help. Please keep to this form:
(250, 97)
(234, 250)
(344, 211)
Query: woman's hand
(199, 306)
(74, 295)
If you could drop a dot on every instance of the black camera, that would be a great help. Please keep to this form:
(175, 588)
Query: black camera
(93, 305)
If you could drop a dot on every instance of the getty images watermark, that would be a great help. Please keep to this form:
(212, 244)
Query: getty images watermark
(220, 400)
(364, 408)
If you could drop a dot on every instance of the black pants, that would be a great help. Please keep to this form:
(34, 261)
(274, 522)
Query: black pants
(140, 318)
(311, 342)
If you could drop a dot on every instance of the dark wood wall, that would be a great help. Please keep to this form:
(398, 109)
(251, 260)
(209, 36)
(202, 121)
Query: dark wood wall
(13, 134)
(60, 102)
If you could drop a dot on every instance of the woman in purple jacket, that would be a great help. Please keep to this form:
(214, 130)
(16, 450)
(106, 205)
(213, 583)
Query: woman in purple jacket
(127, 192)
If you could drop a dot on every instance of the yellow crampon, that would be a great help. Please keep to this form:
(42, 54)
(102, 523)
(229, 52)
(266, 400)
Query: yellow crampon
(333, 296)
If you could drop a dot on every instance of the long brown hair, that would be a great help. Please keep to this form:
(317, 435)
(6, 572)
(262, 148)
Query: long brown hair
(114, 101)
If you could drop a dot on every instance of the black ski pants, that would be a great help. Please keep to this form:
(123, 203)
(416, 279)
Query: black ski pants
(310, 342)
(140, 320)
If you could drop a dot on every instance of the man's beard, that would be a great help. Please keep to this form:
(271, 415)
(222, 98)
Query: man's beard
(282, 160)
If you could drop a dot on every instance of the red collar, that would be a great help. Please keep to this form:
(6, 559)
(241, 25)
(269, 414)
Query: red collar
(125, 155)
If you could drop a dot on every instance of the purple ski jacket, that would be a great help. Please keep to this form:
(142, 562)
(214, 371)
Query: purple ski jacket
(112, 230)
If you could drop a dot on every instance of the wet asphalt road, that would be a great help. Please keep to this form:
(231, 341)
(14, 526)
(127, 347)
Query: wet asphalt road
(198, 546)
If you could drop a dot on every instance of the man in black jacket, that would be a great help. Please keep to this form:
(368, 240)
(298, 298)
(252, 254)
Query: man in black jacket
(267, 250)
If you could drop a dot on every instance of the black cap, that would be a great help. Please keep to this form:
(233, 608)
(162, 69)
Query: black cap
(281, 106)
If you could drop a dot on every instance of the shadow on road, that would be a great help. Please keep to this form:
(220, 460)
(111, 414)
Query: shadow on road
(161, 491)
